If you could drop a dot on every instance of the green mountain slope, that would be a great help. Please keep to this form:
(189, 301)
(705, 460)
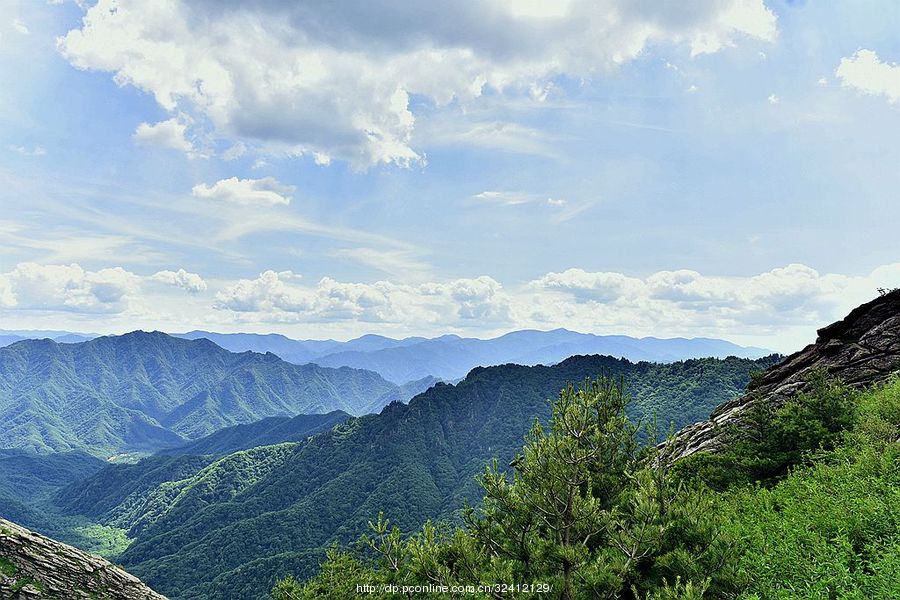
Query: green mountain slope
(239, 523)
(141, 392)
(590, 517)
(266, 432)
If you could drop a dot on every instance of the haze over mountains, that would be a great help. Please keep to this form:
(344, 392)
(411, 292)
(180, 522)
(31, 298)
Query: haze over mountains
(448, 357)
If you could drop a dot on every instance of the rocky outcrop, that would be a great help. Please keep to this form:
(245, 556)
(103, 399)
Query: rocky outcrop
(861, 350)
(35, 567)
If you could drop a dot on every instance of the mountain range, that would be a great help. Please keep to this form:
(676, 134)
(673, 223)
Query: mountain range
(447, 357)
(228, 526)
(142, 392)
(227, 513)
(450, 357)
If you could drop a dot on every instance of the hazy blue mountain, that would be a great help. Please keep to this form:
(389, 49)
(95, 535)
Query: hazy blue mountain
(227, 528)
(295, 351)
(142, 392)
(7, 339)
(298, 351)
(63, 337)
(450, 357)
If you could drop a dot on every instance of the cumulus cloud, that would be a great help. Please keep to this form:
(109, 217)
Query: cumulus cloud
(190, 282)
(587, 286)
(480, 299)
(270, 292)
(866, 73)
(276, 296)
(166, 134)
(280, 297)
(334, 80)
(68, 288)
(793, 295)
(788, 302)
(251, 192)
(73, 289)
(664, 303)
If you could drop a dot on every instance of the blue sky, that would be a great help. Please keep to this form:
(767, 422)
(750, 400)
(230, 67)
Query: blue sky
(704, 168)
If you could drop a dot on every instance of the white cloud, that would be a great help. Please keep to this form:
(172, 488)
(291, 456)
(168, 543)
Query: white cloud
(334, 81)
(280, 297)
(505, 198)
(252, 192)
(666, 303)
(34, 151)
(20, 27)
(782, 307)
(190, 282)
(70, 289)
(585, 286)
(795, 294)
(480, 299)
(865, 73)
(514, 198)
(166, 134)
(67, 288)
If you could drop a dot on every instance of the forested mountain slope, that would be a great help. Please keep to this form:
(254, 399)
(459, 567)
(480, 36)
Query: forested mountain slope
(238, 523)
(266, 432)
(790, 492)
(141, 392)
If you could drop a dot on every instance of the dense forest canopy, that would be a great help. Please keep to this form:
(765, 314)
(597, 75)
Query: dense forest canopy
(807, 510)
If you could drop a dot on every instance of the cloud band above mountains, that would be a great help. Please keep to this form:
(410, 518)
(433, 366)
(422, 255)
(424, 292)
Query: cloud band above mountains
(665, 303)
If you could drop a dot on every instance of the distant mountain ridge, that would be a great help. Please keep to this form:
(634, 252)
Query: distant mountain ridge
(8, 337)
(142, 392)
(447, 357)
(451, 357)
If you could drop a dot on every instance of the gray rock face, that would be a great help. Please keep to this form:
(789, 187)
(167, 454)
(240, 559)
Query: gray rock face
(35, 567)
(861, 350)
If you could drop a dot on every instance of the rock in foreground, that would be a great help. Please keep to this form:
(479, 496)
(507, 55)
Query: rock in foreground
(861, 350)
(33, 566)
